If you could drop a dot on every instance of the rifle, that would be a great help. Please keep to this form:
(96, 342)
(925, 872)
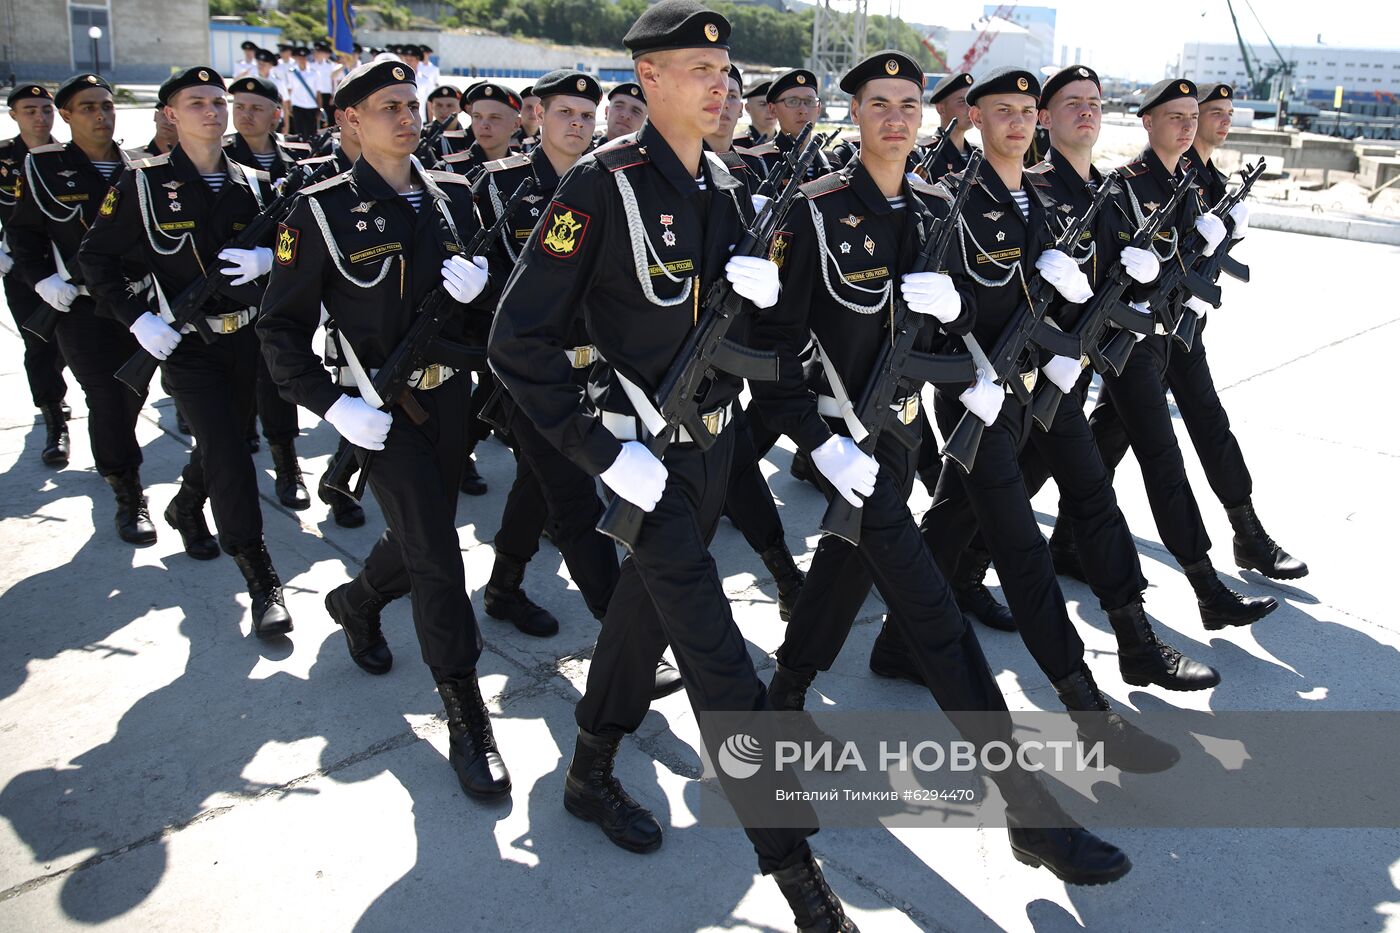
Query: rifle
(188, 307)
(704, 352)
(44, 319)
(934, 152)
(777, 176)
(1220, 261)
(1168, 300)
(420, 345)
(898, 363)
(1107, 307)
(1026, 328)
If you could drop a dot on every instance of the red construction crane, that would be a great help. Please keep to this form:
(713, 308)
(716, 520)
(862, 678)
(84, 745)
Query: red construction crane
(985, 38)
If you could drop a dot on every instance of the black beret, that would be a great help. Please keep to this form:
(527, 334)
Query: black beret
(1163, 91)
(425, 48)
(759, 90)
(888, 63)
(949, 84)
(301, 50)
(356, 48)
(677, 24)
(1068, 76)
(488, 91)
(322, 47)
(736, 75)
(198, 76)
(630, 88)
(254, 84)
(411, 49)
(264, 55)
(444, 90)
(284, 47)
(245, 46)
(25, 92)
(1209, 92)
(797, 77)
(571, 83)
(1006, 80)
(370, 77)
(528, 92)
(77, 83)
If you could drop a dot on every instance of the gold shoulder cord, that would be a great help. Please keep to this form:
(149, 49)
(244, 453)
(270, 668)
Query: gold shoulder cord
(695, 305)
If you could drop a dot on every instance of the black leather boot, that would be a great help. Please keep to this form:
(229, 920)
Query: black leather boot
(1070, 852)
(1221, 606)
(291, 488)
(1255, 550)
(803, 470)
(889, 657)
(472, 747)
(1144, 659)
(668, 680)
(815, 909)
(506, 600)
(472, 483)
(786, 576)
(592, 793)
(355, 608)
(55, 452)
(1124, 745)
(270, 615)
(185, 514)
(133, 513)
(1064, 552)
(787, 693)
(346, 512)
(972, 595)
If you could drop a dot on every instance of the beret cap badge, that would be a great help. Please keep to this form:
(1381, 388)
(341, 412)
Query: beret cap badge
(398, 74)
(581, 84)
(891, 67)
(801, 79)
(712, 32)
(203, 75)
(1185, 88)
(92, 79)
(1022, 84)
(1083, 73)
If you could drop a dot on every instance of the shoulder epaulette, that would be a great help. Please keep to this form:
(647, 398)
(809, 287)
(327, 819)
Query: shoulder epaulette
(733, 161)
(1042, 167)
(960, 175)
(1134, 168)
(1038, 179)
(46, 147)
(261, 177)
(762, 149)
(316, 160)
(131, 155)
(923, 187)
(516, 160)
(328, 183)
(451, 178)
(229, 139)
(615, 158)
(456, 157)
(151, 161)
(454, 134)
(291, 144)
(833, 181)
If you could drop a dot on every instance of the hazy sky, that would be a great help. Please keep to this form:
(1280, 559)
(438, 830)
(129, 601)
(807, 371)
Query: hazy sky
(1125, 44)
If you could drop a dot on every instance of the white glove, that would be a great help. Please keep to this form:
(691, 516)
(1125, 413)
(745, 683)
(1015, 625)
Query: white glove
(931, 293)
(6, 263)
(359, 422)
(1213, 229)
(464, 280)
(1197, 305)
(759, 200)
(851, 470)
(248, 264)
(1063, 371)
(57, 292)
(984, 399)
(155, 336)
(636, 475)
(1240, 215)
(1146, 309)
(1142, 265)
(753, 278)
(914, 178)
(1063, 273)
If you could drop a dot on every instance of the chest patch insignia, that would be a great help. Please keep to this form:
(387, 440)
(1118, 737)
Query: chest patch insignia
(778, 253)
(869, 246)
(852, 221)
(109, 203)
(287, 240)
(994, 216)
(1150, 206)
(380, 224)
(362, 208)
(563, 230)
(845, 248)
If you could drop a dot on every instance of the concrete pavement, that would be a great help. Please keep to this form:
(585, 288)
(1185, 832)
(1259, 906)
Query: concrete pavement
(161, 769)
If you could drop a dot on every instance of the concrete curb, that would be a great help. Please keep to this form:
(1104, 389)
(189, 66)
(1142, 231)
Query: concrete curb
(1345, 227)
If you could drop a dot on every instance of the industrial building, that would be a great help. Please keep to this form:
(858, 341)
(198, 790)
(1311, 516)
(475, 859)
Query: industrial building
(136, 41)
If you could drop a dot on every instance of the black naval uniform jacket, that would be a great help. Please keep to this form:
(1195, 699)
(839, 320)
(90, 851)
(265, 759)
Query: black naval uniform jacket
(583, 262)
(745, 169)
(1148, 183)
(952, 160)
(470, 162)
(355, 245)
(62, 193)
(1213, 183)
(842, 251)
(492, 190)
(782, 144)
(12, 155)
(162, 206)
(238, 150)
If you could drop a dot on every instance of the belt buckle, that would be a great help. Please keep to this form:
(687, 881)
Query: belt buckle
(712, 421)
(1028, 379)
(909, 409)
(229, 323)
(431, 377)
(583, 356)
(1084, 362)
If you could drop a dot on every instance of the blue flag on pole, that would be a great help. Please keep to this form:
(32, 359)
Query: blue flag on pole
(340, 25)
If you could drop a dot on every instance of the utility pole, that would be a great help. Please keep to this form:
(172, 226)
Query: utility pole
(838, 42)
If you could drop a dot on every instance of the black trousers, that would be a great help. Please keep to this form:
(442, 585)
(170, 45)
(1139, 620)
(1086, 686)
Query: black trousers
(213, 385)
(894, 558)
(993, 496)
(43, 360)
(414, 479)
(278, 416)
(304, 120)
(550, 487)
(669, 591)
(1193, 388)
(95, 348)
(749, 503)
(1132, 411)
(478, 430)
(929, 462)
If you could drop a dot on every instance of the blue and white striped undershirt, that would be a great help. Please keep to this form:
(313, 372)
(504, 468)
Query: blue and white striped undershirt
(215, 180)
(1023, 202)
(108, 169)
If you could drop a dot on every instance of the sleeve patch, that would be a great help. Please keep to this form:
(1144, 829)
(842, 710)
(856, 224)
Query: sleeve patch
(778, 252)
(109, 203)
(287, 240)
(563, 230)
